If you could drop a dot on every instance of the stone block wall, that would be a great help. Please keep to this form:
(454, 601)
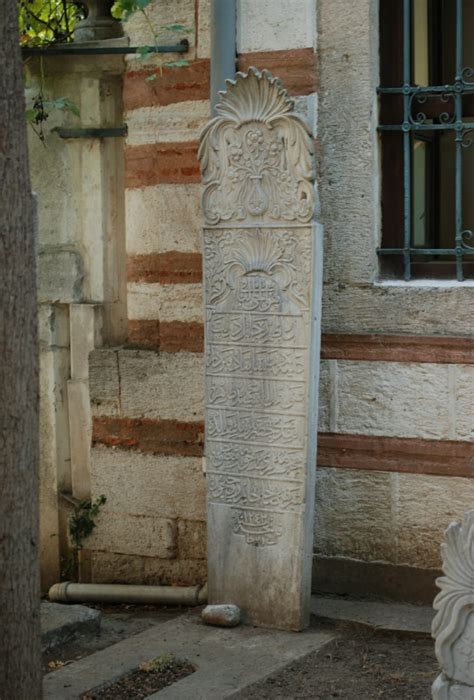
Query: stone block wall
(147, 399)
(395, 456)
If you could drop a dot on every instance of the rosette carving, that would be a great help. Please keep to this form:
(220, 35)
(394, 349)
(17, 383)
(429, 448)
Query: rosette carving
(256, 155)
(453, 625)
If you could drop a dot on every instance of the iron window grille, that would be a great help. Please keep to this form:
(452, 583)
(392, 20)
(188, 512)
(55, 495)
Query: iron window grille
(414, 118)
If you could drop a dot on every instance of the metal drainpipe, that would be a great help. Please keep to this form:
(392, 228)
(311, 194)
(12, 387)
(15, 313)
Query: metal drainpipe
(223, 46)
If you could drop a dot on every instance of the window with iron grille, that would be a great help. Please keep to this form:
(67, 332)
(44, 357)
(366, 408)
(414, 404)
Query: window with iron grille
(427, 135)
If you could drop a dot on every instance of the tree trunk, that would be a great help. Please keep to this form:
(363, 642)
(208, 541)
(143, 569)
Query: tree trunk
(20, 670)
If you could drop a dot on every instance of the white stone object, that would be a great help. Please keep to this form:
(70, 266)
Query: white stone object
(453, 625)
(221, 615)
(263, 274)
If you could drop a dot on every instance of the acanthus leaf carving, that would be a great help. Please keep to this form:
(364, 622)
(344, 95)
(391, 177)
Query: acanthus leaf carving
(453, 625)
(257, 155)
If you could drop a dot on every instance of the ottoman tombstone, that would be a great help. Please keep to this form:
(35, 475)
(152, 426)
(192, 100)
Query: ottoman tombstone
(263, 274)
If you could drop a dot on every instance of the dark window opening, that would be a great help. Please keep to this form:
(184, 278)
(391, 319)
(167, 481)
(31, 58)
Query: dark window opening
(427, 128)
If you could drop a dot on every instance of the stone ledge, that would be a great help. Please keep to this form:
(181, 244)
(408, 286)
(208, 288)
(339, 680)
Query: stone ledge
(382, 580)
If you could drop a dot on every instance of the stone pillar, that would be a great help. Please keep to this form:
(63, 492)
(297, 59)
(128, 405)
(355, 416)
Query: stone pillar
(263, 274)
(453, 625)
(81, 271)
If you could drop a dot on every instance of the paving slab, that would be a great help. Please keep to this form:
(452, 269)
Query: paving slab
(62, 623)
(227, 660)
(391, 617)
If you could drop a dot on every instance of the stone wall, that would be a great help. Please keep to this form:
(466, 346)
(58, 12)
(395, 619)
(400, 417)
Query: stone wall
(79, 185)
(397, 461)
(148, 401)
(397, 379)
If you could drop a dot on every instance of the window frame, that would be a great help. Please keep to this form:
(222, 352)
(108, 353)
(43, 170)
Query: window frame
(397, 95)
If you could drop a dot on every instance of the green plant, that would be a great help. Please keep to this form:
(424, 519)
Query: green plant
(45, 22)
(159, 663)
(81, 524)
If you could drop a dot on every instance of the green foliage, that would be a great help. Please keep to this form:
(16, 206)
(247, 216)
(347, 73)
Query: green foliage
(158, 664)
(82, 522)
(44, 22)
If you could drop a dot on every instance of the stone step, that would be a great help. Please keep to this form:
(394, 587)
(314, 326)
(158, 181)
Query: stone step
(62, 623)
(399, 618)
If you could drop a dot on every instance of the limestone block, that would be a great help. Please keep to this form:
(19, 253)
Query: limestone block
(464, 398)
(134, 534)
(53, 326)
(423, 307)
(354, 515)
(149, 381)
(109, 567)
(221, 615)
(423, 504)
(378, 516)
(162, 218)
(192, 539)
(104, 383)
(275, 24)
(152, 485)
(262, 265)
(180, 121)
(174, 572)
(394, 398)
(82, 334)
(348, 44)
(80, 436)
(55, 469)
(453, 625)
(172, 302)
(204, 29)
(60, 275)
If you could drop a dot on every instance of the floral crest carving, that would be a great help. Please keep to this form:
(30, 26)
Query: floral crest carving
(453, 625)
(256, 155)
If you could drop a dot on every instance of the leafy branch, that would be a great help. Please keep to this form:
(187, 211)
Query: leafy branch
(81, 525)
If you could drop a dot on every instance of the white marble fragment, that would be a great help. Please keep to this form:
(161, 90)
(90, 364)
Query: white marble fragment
(221, 615)
(453, 625)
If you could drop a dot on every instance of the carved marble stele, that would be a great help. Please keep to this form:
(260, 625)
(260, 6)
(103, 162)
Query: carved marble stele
(263, 273)
(453, 625)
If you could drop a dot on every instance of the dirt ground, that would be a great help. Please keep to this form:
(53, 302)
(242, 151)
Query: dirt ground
(356, 667)
(359, 665)
(142, 683)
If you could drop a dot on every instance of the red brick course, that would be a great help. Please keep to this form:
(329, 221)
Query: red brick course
(167, 437)
(166, 336)
(170, 162)
(171, 85)
(171, 267)
(297, 68)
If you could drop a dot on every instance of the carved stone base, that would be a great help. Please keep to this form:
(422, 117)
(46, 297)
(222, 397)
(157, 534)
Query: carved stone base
(443, 689)
(453, 625)
(99, 23)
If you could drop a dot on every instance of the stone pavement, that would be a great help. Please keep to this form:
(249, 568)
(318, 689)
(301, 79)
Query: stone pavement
(398, 618)
(227, 660)
(230, 660)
